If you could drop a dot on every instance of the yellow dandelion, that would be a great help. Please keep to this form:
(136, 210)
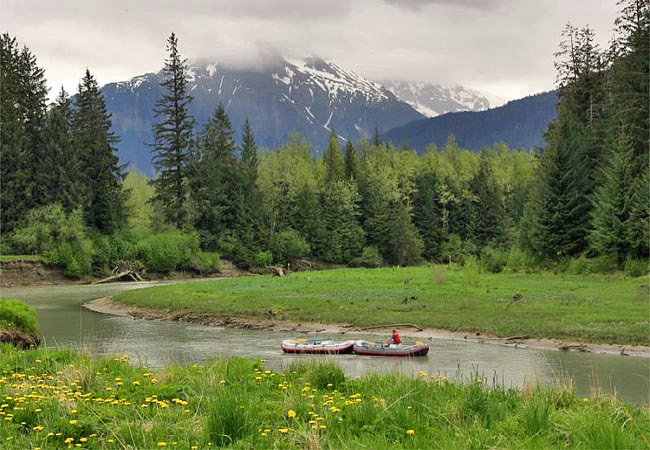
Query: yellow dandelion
(162, 444)
(410, 432)
(291, 413)
(283, 430)
(73, 422)
(585, 399)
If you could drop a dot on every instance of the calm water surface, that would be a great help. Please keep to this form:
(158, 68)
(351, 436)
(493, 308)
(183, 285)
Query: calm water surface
(64, 323)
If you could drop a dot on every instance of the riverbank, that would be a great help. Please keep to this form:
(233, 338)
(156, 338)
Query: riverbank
(76, 400)
(107, 305)
(596, 309)
(17, 270)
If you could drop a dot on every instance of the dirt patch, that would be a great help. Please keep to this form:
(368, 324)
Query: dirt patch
(19, 339)
(106, 305)
(26, 272)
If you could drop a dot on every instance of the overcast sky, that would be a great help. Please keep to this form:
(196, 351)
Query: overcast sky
(501, 47)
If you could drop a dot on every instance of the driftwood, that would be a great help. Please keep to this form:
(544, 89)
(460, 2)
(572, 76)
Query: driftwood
(392, 325)
(133, 275)
(517, 338)
(576, 347)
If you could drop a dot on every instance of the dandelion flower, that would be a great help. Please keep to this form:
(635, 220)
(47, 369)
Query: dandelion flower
(162, 444)
(73, 422)
(291, 413)
(283, 430)
(410, 432)
(585, 399)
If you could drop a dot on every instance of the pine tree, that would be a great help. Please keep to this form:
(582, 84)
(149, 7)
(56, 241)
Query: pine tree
(637, 227)
(94, 141)
(491, 219)
(334, 165)
(405, 246)
(213, 184)
(429, 214)
(60, 166)
(612, 202)
(351, 162)
(23, 96)
(340, 212)
(172, 137)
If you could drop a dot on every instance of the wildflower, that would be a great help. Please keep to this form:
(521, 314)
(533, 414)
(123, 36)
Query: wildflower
(162, 444)
(136, 383)
(83, 439)
(283, 430)
(410, 432)
(110, 440)
(153, 380)
(37, 428)
(322, 427)
(422, 374)
(73, 422)
(291, 414)
(585, 399)
(68, 440)
(222, 381)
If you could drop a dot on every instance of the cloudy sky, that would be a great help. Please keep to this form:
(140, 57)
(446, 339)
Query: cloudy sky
(501, 47)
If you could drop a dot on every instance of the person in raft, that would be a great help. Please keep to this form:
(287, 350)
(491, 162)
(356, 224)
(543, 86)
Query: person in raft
(395, 339)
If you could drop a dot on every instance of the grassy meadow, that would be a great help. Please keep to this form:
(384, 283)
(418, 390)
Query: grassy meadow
(63, 399)
(610, 309)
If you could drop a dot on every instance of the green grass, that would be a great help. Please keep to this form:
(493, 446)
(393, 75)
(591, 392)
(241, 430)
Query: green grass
(59, 399)
(21, 257)
(16, 315)
(590, 308)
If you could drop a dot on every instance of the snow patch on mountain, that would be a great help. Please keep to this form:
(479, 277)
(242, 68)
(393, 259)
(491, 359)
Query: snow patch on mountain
(433, 99)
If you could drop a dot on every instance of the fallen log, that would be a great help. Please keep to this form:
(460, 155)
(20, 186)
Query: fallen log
(576, 347)
(392, 325)
(113, 277)
(517, 338)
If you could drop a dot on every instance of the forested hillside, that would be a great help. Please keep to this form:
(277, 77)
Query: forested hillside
(585, 194)
(519, 123)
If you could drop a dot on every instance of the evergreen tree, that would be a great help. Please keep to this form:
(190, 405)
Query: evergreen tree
(489, 212)
(23, 96)
(334, 165)
(60, 165)
(213, 183)
(429, 214)
(340, 212)
(637, 228)
(351, 162)
(94, 141)
(376, 138)
(405, 245)
(172, 137)
(612, 202)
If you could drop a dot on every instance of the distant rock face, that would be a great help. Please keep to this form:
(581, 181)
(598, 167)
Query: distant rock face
(310, 96)
(432, 100)
(520, 124)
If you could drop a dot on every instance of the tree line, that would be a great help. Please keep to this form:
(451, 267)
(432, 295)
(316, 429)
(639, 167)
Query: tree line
(361, 203)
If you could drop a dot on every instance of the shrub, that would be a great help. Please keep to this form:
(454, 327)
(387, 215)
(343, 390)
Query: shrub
(452, 249)
(205, 262)
(471, 268)
(636, 267)
(288, 246)
(264, 258)
(74, 257)
(494, 260)
(519, 260)
(16, 315)
(171, 250)
(370, 257)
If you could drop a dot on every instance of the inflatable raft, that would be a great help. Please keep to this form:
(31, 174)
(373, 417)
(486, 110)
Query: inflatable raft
(381, 349)
(323, 346)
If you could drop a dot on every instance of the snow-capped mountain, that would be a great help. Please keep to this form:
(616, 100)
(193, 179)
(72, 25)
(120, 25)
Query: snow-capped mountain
(433, 100)
(310, 96)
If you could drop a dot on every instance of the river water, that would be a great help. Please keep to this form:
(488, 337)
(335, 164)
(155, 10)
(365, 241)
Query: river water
(64, 323)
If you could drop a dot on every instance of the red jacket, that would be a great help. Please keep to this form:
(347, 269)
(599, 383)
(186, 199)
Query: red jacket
(396, 338)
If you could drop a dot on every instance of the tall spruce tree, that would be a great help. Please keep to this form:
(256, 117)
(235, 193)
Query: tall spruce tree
(334, 165)
(60, 166)
(429, 214)
(491, 219)
(351, 162)
(23, 96)
(612, 202)
(172, 136)
(213, 180)
(94, 141)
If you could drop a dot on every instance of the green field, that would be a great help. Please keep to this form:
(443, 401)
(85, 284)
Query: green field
(589, 308)
(21, 258)
(61, 399)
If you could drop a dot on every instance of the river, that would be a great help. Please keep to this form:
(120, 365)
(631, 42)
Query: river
(64, 323)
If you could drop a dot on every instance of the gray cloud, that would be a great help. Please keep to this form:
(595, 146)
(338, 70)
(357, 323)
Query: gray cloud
(504, 47)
